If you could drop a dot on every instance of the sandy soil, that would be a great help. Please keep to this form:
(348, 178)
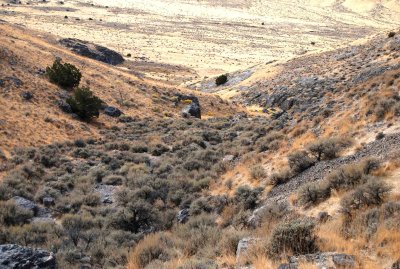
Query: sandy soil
(209, 36)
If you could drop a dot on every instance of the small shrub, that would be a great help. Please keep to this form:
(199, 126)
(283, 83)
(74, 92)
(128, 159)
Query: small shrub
(65, 75)
(383, 107)
(85, 104)
(299, 161)
(294, 237)
(391, 34)
(281, 177)
(257, 172)
(221, 80)
(313, 193)
(380, 136)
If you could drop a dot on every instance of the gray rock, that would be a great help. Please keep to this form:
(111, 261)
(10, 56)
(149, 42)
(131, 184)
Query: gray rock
(17, 82)
(344, 260)
(25, 204)
(86, 260)
(192, 110)
(228, 158)
(18, 257)
(27, 96)
(182, 97)
(287, 266)
(106, 192)
(64, 106)
(323, 216)
(325, 260)
(48, 201)
(112, 111)
(243, 247)
(93, 51)
(183, 215)
(41, 71)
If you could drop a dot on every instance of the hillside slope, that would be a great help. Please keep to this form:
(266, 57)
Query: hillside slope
(24, 56)
(308, 178)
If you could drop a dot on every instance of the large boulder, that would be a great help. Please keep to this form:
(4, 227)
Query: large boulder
(192, 110)
(18, 257)
(92, 51)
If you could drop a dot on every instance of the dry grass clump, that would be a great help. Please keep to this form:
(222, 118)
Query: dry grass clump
(153, 248)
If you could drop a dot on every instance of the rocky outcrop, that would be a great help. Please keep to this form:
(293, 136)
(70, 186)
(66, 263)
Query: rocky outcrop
(18, 257)
(92, 51)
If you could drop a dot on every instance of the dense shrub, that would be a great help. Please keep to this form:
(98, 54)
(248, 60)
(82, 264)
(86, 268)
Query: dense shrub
(352, 174)
(295, 237)
(84, 103)
(247, 197)
(299, 161)
(220, 80)
(65, 75)
(372, 193)
(75, 226)
(135, 217)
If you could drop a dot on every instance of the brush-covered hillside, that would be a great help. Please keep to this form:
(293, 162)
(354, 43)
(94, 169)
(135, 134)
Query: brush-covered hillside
(292, 164)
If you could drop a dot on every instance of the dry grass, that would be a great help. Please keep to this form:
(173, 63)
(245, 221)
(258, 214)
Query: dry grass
(332, 240)
(373, 253)
(227, 261)
(261, 262)
(389, 242)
